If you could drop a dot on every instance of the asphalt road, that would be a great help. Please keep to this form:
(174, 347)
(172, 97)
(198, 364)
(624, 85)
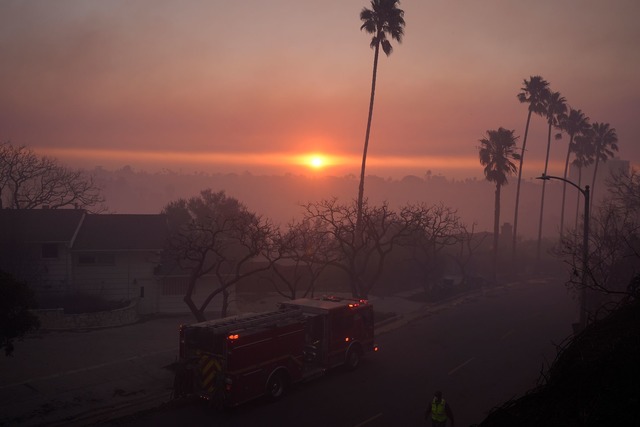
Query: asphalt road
(480, 352)
(79, 377)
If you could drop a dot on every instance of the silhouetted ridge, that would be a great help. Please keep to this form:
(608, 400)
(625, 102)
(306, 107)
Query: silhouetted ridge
(594, 381)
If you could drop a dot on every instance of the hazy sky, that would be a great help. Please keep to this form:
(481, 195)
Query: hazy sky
(252, 85)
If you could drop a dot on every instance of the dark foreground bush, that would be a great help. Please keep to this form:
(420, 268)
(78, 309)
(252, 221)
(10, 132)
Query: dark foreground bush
(594, 381)
(15, 318)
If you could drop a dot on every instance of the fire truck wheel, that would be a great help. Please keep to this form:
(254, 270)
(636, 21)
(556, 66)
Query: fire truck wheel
(353, 358)
(276, 386)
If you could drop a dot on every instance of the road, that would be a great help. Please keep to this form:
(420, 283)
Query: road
(480, 352)
(54, 378)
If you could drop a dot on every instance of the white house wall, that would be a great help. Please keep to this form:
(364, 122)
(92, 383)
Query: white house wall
(55, 274)
(123, 279)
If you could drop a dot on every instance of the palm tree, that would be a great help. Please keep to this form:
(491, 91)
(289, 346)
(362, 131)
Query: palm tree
(533, 92)
(496, 153)
(383, 20)
(584, 156)
(575, 123)
(605, 142)
(555, 106)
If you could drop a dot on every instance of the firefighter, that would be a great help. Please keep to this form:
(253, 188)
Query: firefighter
(439, 411)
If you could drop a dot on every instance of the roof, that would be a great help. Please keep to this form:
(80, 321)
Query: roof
(40, 225)
(282, 317)
(125, 232)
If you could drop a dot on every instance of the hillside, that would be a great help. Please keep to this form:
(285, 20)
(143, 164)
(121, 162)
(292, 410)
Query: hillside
(594, 381)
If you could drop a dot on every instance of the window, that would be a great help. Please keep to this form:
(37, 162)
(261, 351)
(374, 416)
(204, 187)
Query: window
(96, 259)
(175, 286)
(86, 259)
(343, 321)
(49, 250)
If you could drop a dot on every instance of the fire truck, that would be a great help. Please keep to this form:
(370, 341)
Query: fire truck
(235, 359)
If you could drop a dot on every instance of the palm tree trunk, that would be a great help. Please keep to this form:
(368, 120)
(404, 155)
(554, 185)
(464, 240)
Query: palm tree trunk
(366, 147)
(515, 215)
(496, 233)
(579, 193)
(544, 184)
(564, 186)
(593, 180)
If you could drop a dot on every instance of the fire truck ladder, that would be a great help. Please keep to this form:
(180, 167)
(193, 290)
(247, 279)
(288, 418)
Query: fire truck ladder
(228, 325)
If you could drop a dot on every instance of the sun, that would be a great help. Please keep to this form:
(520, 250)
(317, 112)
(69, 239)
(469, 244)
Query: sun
(317, 162)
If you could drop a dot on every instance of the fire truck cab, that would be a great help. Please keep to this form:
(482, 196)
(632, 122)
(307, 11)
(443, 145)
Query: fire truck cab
(232, 360)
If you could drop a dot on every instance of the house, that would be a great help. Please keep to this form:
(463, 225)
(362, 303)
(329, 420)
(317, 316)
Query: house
(35, 246)
(116, 255)
(67, 251)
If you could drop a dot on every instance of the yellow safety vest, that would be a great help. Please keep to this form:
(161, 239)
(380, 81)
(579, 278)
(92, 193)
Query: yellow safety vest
(438, 412)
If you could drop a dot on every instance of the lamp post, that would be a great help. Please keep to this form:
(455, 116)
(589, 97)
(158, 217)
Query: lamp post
(585, 245)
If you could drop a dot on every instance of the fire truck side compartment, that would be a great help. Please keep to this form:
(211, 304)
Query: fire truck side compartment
(301, 339)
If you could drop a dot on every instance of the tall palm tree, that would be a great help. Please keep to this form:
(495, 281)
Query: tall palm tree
(532, 93)
(497, 151)
(383, 20)
(584, 156)
(555, 106)
(575, 123)
(605, 143)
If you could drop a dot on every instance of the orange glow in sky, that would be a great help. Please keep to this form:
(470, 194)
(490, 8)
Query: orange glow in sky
(215, 87)
(309, 160)
(330, 164)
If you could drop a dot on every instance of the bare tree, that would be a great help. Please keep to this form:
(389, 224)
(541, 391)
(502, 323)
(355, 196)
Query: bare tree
(469, 245)
(614, 242)
(212, 234)
(361, 259)
(433, 229)
(304, 251)
(28, 181)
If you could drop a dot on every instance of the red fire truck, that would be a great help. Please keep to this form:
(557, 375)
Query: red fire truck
(232, 360)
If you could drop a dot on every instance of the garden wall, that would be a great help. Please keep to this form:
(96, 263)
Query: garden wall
(56, 319)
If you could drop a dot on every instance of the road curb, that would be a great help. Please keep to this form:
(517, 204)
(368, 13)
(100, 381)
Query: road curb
(114, 411)
(428, 309)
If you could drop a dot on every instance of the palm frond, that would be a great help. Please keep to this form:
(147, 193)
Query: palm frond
(384, 18)
(496, 153)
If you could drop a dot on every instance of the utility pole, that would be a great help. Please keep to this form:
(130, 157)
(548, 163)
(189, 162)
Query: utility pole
(585, 246)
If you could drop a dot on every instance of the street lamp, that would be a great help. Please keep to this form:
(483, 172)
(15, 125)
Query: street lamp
(585, 245)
